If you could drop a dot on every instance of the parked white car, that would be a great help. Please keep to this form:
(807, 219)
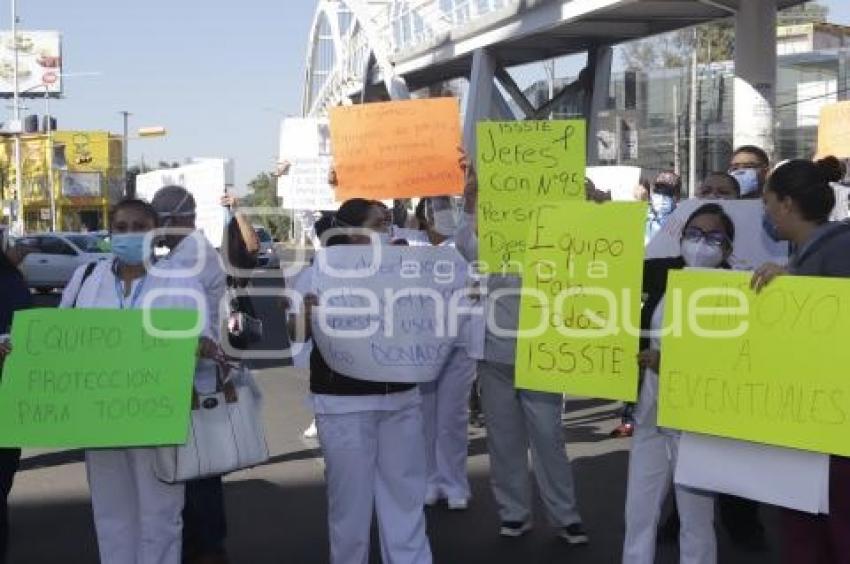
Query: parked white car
(52, 258)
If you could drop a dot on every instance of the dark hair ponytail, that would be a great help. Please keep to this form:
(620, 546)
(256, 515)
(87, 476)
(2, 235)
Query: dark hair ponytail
(807, 184)
(352, 213)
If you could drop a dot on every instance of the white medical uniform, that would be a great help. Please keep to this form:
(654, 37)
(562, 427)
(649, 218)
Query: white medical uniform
(137, 517)
(194, 258)
(374, 451)
(518, 421)
(445, 413)
(651, 467)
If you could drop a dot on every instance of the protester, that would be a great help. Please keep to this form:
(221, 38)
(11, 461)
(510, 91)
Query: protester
(204, 521)
(445, 401)
(719, 186)
(798, 200)
(14, 297)
(707, 239)
(137, 517)
(371, 436)
(518, 419)
(665, 195)
(749, 166)
(301, 284)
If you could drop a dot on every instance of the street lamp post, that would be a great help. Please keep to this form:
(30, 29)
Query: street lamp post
(124, 152)
(18, 225)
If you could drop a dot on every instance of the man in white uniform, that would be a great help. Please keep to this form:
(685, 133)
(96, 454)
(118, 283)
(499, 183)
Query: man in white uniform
(191, 255)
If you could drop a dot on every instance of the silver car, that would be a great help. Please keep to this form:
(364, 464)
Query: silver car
(52, 258)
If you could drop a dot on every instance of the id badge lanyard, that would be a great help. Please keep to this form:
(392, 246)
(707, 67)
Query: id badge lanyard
(119, 291)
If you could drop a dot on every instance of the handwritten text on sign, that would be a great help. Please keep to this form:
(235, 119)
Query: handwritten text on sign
(768, 367)
(581, 294)
(389, 314)
(522, 166)
(96, 378)
(397, 149)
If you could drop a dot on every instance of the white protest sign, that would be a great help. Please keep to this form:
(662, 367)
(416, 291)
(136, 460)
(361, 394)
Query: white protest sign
(787, 477)
(752, 246)
(620, 181)
(305, 144)
(206, 180)
(388, 313)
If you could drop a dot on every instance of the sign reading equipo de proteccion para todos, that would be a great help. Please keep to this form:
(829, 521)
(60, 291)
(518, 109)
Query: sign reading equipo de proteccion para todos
(97, 378)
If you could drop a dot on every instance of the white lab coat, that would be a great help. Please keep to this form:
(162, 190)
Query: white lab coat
(445, 413)
(137, 517)
(651, 466)
(374, 451)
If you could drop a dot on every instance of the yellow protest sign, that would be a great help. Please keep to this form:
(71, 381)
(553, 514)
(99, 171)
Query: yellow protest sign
(768, 368)
(579, 318)
(834, 130)
(523, 165)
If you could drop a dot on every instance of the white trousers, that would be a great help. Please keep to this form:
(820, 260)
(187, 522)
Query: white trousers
(651, 466)
(445, 411)
(375, 459)
(516, 420)
(137, 518)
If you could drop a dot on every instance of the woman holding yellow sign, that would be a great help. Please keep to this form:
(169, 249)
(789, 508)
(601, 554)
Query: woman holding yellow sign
(798, 201)
(707, 239)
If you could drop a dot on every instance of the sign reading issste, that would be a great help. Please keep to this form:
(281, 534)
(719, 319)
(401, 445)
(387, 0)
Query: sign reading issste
(523, 165)
(97, 378)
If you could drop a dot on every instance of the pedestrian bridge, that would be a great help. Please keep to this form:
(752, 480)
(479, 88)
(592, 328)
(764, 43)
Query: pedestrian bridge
(366, 50)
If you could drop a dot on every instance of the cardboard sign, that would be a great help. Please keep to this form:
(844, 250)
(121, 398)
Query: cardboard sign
(96, 378)
(581, 294)
(305, 144)
(787, 477)
(766, 367)
(619, 181)
(834, 130)
(752, 246)
(523, 167)
(388, 314)
(397, 149)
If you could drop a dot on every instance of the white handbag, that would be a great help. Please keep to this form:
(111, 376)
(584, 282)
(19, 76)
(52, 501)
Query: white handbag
(226, 431)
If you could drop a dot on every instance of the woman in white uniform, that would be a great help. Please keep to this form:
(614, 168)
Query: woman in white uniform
(372, 440)
(137, 517)
(445, 401)
(706, 243)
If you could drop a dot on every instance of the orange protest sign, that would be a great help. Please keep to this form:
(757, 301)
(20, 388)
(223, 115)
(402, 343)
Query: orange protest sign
(834, 131)
(397, 149)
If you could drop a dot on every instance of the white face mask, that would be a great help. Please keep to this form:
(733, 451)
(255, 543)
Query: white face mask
(444, 223)
(700, 254)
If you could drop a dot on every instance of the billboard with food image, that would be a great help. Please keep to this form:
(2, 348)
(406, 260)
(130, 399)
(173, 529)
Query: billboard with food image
(39, 63)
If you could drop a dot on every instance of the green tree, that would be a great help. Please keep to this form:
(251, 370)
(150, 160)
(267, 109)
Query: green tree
(262, 192)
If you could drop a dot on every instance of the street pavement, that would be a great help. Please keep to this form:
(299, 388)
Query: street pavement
(276, 512)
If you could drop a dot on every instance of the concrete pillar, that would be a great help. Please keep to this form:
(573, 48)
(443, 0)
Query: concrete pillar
(479, 98)
(755, 74)
(599, 61)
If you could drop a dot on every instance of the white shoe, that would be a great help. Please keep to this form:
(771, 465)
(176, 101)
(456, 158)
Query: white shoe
(311, 432)
(459, 504)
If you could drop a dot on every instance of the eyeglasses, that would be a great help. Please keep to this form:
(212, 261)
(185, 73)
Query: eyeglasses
(713, 238)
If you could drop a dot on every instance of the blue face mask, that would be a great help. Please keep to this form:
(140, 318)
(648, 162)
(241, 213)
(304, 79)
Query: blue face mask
(770, 228)
(129, 248)
(662, 204)
(748, 180)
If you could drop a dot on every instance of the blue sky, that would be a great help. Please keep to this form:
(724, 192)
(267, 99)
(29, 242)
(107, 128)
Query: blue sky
(219, 75)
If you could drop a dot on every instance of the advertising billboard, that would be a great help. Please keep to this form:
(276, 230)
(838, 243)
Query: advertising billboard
(39, 63)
